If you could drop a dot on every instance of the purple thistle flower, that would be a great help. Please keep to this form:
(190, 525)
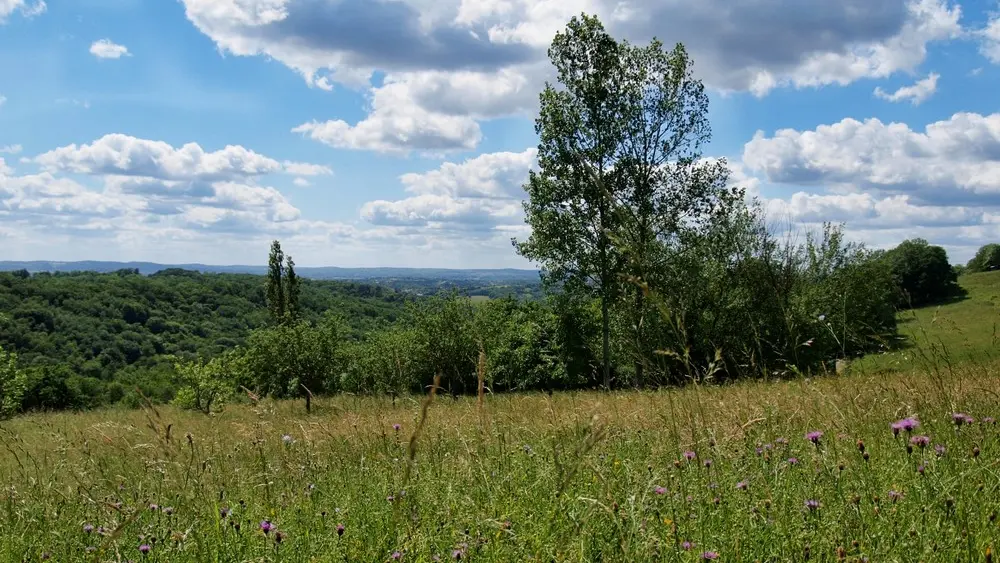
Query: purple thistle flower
(340, 529)
(144, 548)
(396, 556)
(88, 528)
(224, 512)
(278, 536)
(266, 526)
(793, 460)
(908, 424)
(660, 490)
(168, 510)
(708, 463)
(814, 436)
(390, 498)
(397, 427)
(153, 507)
(939, 449)
(988, 420)
(895, 495)
(687, 546)
(960, 418)
(812, 504)
(709, 555)
(689, 455)
(287, 439)
(920, 469)
(920, 441)
(760, 451)
(742, 485)
(782, 441)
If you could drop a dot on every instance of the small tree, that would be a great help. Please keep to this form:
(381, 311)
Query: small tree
(922, 273)
(205, 385)
(291, 284)
(13, 383)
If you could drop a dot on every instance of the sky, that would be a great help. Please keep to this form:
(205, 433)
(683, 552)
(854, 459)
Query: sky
(367, 133)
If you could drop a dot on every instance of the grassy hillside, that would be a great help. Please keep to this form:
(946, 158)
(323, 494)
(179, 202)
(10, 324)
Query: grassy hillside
(572, 477)
(963, 330)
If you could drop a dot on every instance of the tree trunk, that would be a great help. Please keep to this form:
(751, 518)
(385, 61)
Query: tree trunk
(308, 402)
(606, 335)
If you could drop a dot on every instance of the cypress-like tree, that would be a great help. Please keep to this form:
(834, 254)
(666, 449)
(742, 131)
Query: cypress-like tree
(275, 291)
(291, 284)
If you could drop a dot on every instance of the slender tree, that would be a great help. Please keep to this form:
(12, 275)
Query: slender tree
(275, 290)
(570, 199)
(291, 284)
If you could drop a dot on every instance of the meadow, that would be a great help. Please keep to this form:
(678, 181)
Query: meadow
(810, 469)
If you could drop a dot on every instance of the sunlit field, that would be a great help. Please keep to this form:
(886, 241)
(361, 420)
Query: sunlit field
(782, 471)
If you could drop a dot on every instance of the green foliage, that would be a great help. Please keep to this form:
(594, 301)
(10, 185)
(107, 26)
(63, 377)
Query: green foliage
(987, 259)
(13, 384)
(922, 273)
(207, 385)
(389, 361)
(275, 282)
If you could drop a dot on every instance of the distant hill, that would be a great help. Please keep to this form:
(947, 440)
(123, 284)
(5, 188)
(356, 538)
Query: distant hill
(508, 275)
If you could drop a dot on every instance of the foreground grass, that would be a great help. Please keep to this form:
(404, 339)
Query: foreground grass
(572, 477)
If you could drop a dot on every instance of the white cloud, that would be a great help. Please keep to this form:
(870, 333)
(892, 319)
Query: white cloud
(107, 49)
(28, 10)
(306, 169)
(10, 149)
(301, 182)
(131, 156)
(955, 161)
(397, 125)
(916, 94)
(989, 38)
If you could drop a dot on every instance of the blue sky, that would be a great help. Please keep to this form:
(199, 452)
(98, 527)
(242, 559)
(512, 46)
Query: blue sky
(398, 132)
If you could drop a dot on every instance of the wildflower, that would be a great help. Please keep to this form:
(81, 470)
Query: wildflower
(266, 526)
(742, 485)
(687, 546)
(861, 446)
(46, 556)
(920, 469)
(153, 507)
(223, 512)
(792, 461)
(88, 528)
(908, 424)
(814, 436)
(144, 548)
(760, 451)
(278, 536)
(390, 498)
(396, 556)
(988, 420)
(940, 450)
(895, 495)
(822, 318)
(660, 490)
(708, 463)
(782, 441)
(689, 455)
(975, 451)
(960, 418)
(287, 439)
(457, 554)
(812, 504)
(920, 441)
(340, 529)
(527, 449)
(709, 555)
(168, 510)
(397, 427)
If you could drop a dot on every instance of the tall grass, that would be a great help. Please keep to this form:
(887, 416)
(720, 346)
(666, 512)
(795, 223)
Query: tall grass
(568, 477)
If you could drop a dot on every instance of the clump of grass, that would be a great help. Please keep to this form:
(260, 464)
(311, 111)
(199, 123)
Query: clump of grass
(830, 469)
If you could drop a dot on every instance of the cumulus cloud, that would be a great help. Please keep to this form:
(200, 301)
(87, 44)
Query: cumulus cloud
(130, 156)
(916, 94)
(10, 149)
(301, 182)
(481, 194)
(954, 162)
(107, 49)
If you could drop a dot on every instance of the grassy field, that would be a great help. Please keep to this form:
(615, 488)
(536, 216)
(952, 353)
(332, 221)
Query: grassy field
(966, 330)
(572, 477)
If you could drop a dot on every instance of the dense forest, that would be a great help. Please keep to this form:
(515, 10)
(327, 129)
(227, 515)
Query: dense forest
(655, 270)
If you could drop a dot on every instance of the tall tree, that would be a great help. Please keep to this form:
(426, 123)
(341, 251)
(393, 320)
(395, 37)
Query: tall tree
(291, 289)
(987, 258)
(570, 198)
(275, 275)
